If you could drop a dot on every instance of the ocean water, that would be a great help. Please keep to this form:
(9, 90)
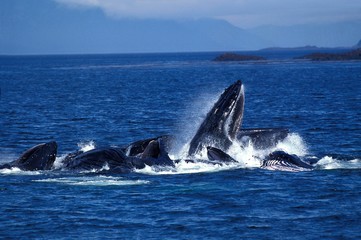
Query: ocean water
(89, 101)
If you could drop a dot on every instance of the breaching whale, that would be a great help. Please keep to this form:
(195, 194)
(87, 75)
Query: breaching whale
(39, 157)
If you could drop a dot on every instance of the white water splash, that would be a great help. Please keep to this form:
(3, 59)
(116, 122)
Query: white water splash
(17, 171)
(105, 167)
(93, 181)
(332, 163)
(250, 157)
(184, 167)
(58, 163)
(293, 144)
(246, 156)
(86, 146)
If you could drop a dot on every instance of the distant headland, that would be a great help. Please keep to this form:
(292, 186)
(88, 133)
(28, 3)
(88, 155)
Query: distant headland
(312, 53)
(350, 55)
(226, 57)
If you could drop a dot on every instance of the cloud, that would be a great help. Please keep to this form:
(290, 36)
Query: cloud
(244, 13)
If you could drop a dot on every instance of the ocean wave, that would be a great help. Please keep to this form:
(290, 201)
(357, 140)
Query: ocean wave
(93, 181)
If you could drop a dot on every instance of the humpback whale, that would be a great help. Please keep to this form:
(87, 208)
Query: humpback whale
(280, 160)
(39, 157)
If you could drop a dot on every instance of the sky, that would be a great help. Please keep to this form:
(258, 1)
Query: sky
(241, 13)
(129, 26)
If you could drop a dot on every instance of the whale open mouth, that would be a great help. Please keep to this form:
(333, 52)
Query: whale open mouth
(222, 122)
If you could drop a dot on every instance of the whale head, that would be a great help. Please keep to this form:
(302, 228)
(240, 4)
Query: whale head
(39, 157)
(223, 121)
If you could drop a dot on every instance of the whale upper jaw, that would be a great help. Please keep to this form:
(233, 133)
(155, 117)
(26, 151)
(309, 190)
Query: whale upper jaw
(222, 122)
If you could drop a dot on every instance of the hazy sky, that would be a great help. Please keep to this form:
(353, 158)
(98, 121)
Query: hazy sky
(242, 13)
(123, 26)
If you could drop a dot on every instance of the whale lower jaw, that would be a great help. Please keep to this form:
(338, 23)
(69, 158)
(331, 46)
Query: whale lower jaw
(277, 165)
(282, 161)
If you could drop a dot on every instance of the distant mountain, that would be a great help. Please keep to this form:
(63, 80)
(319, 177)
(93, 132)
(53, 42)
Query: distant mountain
(358, 45)
(31, 28)
(304, 48)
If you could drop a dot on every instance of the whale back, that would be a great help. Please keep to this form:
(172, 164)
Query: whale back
(97, 159)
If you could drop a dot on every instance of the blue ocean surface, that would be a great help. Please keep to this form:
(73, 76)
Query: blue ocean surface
(90, 101)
